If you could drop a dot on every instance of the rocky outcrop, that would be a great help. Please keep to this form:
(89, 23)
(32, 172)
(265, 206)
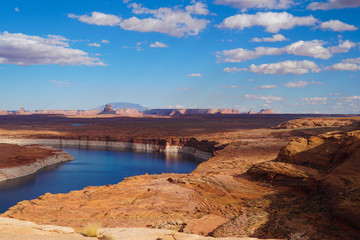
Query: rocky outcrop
(328, 165)
(176, 112)
(4, 112)
(108, 110)
(20, 165)
(13, 229)
(18, 230)
(266, 111)
(317, 122)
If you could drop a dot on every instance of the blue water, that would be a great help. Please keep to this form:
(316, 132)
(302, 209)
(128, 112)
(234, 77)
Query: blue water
(91, 168)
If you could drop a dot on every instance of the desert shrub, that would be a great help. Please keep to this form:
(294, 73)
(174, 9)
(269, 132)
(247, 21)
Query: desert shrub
(91, 230)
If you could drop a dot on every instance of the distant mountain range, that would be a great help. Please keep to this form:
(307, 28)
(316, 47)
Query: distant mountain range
(122, 105)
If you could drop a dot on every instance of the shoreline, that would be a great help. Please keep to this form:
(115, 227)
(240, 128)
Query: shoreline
(126, 146)
(25, 170)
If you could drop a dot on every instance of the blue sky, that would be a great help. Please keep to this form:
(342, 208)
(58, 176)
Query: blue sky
(290, 55)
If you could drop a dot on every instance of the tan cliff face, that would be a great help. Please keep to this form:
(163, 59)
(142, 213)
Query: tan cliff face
(175, 112)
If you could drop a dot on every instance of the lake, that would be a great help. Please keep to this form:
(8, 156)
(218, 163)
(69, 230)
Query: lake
(91, 168)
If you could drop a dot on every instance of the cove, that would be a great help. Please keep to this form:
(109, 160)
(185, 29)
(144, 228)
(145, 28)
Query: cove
(91, 167)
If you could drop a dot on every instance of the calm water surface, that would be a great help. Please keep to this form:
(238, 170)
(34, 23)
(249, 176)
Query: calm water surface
(91, 168)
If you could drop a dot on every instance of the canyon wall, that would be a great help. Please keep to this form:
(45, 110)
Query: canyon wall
(12, 172)
(161, 146)
(175, 112)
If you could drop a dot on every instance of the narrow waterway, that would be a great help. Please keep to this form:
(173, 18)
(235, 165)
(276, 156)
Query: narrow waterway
(91, 168)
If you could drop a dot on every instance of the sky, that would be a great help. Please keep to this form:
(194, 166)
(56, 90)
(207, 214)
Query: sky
(289, 55)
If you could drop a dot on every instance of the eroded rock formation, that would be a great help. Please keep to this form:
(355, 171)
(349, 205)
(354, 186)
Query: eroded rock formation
(175, 112)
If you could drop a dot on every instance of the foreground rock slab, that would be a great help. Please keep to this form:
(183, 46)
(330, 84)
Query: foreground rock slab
(13, 229)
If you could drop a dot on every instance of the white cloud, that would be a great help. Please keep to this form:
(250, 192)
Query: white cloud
(337, 26)
(172, 21)
(314, 48)
(274, 38)
(105, 41)
(22, 49)
(267, 99)
(57, 83)
(343, 47)
(16, 9)
(97, 18)
(272, 21)
(260, 4)
(266, 87)
(94, 45)
(286, 67)
(158, 45)
(314, 100)
(350, 64)
(300, 84)
(352, 60)
(344, 67)
(198, 8)
(334, 4)
(232, 86)
(351, 98)
(234, 69)
(195, 75)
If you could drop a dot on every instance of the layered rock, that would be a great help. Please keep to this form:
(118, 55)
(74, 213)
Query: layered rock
(18, 161)
(175, 112)
(328, 164)
(266, 111)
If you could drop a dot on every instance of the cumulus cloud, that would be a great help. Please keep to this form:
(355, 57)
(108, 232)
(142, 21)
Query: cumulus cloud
(259, 4)
(350, 64)
(158, 45)
(171, 21)
(195, 75)
(98, 18)
(286, 67)
(334, 4)
(266, 87)
(300, 84)
(352, 60)
(337, 26)
(16, 9)
(22, 49)
(267, 99)
(272, 21)
(105, 41)
(94, 45)
(344, 67)
(274, 38)
(314, 100)
(343, 47)
(314, 48)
